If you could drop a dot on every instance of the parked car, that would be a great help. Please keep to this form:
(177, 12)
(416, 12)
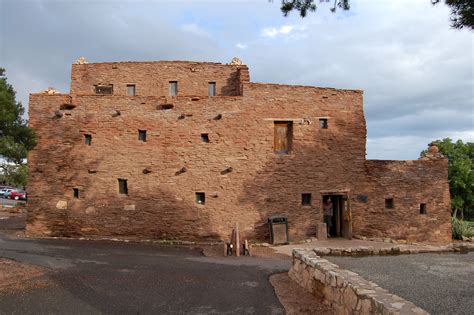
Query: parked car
(5, 192)
(17, 195)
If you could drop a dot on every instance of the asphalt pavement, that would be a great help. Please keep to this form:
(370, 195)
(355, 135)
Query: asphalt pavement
(438, 283)
(8, 202)
(104, 277)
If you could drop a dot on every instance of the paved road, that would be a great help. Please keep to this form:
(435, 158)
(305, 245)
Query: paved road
(114, 277)
(439, 283)
(8, 202)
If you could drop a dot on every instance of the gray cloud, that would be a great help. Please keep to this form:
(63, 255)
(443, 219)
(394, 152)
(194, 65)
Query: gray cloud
(417, 73)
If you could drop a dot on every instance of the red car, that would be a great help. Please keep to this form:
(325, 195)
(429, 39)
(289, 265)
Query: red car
(17, 194)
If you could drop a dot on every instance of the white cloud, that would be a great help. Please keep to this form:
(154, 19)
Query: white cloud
(272, 32)
(241, 46)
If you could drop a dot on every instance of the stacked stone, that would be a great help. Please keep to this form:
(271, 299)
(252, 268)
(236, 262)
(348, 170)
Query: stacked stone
(347, 292)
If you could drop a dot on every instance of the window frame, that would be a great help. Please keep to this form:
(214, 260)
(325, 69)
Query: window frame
(98, 87)
(306, 199)
(88, 139)
(142, 135)
(323, 123)
(122, 186)
(134, 89)
(214, 88)
(389, 203)
(173, 92)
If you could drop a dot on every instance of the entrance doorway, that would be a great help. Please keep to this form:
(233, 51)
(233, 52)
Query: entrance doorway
(341, 222)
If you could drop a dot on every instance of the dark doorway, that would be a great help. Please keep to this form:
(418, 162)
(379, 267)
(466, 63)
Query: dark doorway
(341, 223)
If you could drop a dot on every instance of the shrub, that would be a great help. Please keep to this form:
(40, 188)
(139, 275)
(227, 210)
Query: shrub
(460, 228)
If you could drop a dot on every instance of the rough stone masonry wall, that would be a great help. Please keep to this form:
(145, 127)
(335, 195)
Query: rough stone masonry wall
(160, 202)
(244, 180)
(347, 292)
(409, 183)
(152, 78)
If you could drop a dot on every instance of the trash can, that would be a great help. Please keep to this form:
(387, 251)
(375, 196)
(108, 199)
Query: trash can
(278, 225)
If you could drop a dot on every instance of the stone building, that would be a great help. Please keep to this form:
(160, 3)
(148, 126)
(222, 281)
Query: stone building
(184, 150)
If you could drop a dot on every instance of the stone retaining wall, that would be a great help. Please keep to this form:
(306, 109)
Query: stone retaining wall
(393, 250)
(345, 290)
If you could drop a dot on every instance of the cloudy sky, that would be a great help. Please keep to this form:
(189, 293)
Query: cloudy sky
(416, 71)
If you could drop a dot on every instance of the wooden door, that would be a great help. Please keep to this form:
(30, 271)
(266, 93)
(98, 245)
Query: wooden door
(281, 141)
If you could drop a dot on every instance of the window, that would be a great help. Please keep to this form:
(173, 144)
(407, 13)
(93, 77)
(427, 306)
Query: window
(88, 139)
(306, 199)
(123, 189)
(76, 192)
(200, 198)
(173, 88)
(131, 89)
(283, 136)
(323, 123)
(205, 137)
(363, 198)
(211, 89)
(389, 203)
(104, 89)
(423, 208)
(142, 135)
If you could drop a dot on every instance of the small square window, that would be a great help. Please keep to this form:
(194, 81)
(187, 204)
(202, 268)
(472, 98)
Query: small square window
(131, 89)
(363, 198)
(389, 203)
(306, 199)
(200, 198)
(205, 137)
(104, 89)
(423, 208)
(173, 88)
(88, 139)
(123, 189)
(323, 123)
(211, 89)
(142, 135)
(76, 192)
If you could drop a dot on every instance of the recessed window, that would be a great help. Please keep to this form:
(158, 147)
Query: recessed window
(76, 192)
(173, 88)
(104, 89)
(389, 203)
(123, 188)
(211, 89)
(142, 135)
(131, 89)
(423, 208)
(306, 199)
(200, 198)
(323, 123)
(205, 137)
(283, 136)
(88, 139)
(363, 198)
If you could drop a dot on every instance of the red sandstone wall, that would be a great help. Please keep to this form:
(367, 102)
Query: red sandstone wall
(152, 78)
(262, 183)
(161, 203)
(409, 183)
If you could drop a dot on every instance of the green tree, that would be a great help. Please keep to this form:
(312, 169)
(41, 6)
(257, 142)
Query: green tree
(16, 138)
(15, 175)
(460, 174)
(462, 11)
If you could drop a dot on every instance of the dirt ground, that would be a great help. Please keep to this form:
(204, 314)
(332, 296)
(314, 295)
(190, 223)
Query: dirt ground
(17, 277)
(295, 299)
